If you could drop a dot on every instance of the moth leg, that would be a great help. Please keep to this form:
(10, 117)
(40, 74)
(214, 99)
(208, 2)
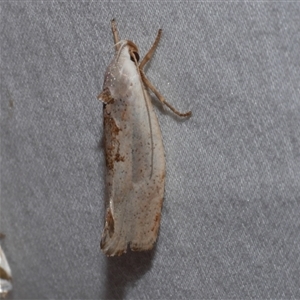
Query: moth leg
(115, 34)
(151, 51)
(149, 85)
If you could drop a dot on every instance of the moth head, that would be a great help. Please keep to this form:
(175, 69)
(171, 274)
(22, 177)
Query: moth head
(133, 51)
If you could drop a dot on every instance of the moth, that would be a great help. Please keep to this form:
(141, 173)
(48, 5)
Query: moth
(5, 274)
(134, 151)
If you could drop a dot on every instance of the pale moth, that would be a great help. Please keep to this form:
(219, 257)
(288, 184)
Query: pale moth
(5, 274)
(134, 151)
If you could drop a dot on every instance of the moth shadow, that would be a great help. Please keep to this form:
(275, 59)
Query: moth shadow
(101, 143)
(124, 271)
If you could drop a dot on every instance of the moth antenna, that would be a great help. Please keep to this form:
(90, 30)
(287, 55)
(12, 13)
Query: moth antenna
(152, 50)
(115, 34)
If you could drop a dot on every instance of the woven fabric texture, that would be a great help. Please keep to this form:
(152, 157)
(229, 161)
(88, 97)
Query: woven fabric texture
(231, 215)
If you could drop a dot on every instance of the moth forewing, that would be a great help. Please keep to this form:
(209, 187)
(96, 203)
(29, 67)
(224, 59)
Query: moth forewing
(134, 152)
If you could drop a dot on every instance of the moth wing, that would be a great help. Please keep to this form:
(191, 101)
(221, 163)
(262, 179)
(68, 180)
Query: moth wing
(135, 174)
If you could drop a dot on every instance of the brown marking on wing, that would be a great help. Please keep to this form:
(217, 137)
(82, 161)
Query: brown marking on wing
(110, 224)
(134, 248)
(143, 247)
(105, 96)
(4, 275)
(112, 144)
(120, 252)
(156, 222)
(119, 157)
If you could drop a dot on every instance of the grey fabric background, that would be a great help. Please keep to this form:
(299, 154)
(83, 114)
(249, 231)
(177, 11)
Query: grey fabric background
(231, 217)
